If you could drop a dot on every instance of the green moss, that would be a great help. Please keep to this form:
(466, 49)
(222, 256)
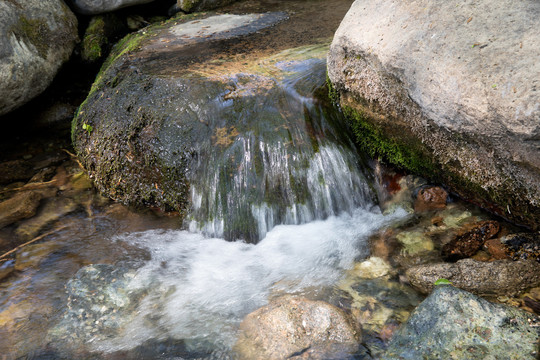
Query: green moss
(187, 5)
(332, 92)
(94, 40)
(34, 31)
(372, 140)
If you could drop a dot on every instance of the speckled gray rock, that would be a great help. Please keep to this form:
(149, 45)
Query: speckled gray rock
(448, 89)
(92, 7)
(501, 277)
(298, 328)
(454, 324)
(200, 5)
(36, 38)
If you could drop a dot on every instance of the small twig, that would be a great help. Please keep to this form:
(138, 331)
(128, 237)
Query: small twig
(32, 186)
(33, 241)
(74, 157)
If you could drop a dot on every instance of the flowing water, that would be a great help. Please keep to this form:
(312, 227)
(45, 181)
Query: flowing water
(287, 207)
(100, 288)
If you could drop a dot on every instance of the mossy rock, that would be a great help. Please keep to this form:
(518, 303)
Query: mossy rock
(176, 122)
(36, 38)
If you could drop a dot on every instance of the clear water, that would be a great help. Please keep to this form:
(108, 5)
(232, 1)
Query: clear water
(198, 289)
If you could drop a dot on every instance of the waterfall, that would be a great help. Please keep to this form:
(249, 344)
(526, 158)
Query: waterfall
(287, 160)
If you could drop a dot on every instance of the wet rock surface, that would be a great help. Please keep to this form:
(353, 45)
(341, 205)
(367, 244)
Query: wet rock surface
(98, 304)
(21, 206)
(452, 323)
(414, 81)
(297, 328)
(501, 277)
(467, 244)
(36, 38)
(200, 126)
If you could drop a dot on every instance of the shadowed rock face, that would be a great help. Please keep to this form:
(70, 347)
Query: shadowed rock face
(201, 5)
(452, 323)
(92, 7)
(448, 90)
(184, 118)
(36, 38)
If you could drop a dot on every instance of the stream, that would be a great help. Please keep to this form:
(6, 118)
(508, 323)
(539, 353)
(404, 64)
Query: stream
(101, 280)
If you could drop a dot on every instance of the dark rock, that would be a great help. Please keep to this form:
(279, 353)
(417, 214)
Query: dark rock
(190, 6)
(523, 246)
(501, 277)
(296, 328)
(467, 244)
(413, 79)
(15, 170)
(454, 324)
(100, 32)
(430, 198)
(21, 206)
(36, 38)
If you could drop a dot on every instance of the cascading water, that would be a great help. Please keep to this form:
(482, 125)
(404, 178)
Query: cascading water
(285, 177)
(287, 160)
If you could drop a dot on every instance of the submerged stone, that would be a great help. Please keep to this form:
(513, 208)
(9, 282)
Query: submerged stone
(378, 303)
(467, 244)
(240, 143)
(430, 198)
(99, 303)
(523, 246)
(454, 324)
(21, 206)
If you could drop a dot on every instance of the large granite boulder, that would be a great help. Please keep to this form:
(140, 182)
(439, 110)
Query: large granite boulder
(448, 90)
(297, 328)
(454, 324)
(93, 7)
(36, 38)
(194, 116)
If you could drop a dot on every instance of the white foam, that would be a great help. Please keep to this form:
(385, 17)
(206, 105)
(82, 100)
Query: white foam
(199, 289)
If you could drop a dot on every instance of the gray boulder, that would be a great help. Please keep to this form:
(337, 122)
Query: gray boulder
(36, 38)
(501, 277)
(454, 324)
(448, 90)
(93, 7)
(297, 328)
